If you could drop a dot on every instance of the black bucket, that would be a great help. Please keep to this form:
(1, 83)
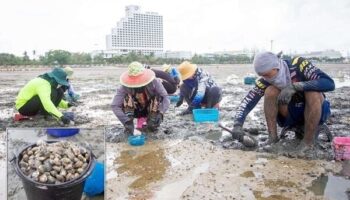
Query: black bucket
(70, 190)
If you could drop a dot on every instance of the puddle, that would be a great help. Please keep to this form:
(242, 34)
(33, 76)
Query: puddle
(259, 196)
(247, 174)
(147, 166)
(214, 136)
(331, 187)
(176, 189)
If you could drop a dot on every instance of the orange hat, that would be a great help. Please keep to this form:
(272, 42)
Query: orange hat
(136, 76)
(187, 70)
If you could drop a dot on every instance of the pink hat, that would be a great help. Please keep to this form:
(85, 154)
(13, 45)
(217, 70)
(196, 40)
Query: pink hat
(136, 76)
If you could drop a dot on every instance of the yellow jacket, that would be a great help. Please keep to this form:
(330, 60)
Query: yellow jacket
(42, 88)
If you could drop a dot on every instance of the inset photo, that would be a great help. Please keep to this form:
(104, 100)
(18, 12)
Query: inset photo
(55, 163)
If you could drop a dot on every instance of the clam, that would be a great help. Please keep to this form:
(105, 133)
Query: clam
(43, 178)
(54, 163)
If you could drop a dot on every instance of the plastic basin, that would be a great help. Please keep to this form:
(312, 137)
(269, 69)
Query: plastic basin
(136, 140)
(206, 115)
(249, 80)
(62, 132)
(341, 146)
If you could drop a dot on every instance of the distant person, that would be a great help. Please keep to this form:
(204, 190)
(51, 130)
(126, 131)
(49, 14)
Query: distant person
(140, 95)
(169, 77)
(198, 88)
(294, 97)
(42, 95)
(71, 95)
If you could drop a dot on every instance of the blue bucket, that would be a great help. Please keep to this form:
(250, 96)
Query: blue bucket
(136, 140)
(62, 132)
(206, 115)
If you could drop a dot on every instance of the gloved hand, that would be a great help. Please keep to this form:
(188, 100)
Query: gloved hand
(129, 127)
(71, 104)
(237, 132)
(65, 119)
(154, 120)
(287, 93)
(196, 102)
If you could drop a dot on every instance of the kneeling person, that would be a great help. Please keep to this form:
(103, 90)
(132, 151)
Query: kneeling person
(198, 88)
(43, 95)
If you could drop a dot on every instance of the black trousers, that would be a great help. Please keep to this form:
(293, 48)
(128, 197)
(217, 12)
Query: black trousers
(213, 95)
(34, 105)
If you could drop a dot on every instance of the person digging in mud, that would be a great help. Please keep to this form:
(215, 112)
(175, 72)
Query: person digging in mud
(42, 95)
(294, 97)
(198, 88)
(169, 77)
(140, 95)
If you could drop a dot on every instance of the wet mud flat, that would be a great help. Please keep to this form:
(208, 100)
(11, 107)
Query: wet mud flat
(98, 85)
(19, 138)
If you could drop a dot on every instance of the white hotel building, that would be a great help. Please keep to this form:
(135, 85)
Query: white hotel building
(140, 32)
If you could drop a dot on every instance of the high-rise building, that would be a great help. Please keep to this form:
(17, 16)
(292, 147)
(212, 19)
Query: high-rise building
(140, 32)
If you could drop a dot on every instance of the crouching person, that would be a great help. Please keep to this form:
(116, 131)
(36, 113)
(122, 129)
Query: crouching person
(294, 96)
(198, 88)
(140, 95)
(42, 95)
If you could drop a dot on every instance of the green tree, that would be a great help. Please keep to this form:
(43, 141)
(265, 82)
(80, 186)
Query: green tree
(61, 56)
(9, 59)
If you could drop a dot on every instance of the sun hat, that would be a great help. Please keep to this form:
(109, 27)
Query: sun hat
(166, 67)
(69, 71)
(136, 76)
(187, 70)
(59, 75)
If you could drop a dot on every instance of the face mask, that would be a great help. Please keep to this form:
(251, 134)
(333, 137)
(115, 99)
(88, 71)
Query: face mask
(282, 79)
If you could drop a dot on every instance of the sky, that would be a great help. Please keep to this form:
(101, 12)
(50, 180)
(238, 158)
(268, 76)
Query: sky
(198, 25)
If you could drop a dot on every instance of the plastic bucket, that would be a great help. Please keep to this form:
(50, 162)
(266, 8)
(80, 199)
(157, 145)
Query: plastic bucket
(70, 190)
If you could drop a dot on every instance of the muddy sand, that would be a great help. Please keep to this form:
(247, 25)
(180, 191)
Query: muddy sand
(18, 138)
(191, 153)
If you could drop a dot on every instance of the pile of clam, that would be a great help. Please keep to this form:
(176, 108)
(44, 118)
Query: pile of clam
(54, 163)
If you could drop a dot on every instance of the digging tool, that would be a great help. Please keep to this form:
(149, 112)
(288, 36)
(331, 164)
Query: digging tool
(246, 140)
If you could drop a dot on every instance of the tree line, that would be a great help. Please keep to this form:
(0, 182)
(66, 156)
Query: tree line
(63, 57)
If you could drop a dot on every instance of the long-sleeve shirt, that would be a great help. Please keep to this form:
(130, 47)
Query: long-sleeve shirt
(155, 88)
(200, 81)
(42, 88)
(301, 70)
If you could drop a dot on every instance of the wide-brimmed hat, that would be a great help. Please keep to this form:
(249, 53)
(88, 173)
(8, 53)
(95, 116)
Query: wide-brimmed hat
(59, 75)
(69, 71)
(136, 76)
(187, 70)
(166, 68)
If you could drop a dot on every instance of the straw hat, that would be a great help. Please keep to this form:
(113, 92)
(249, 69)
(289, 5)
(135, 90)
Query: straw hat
(187, 69)
(166, 68)
(69, 71)
(136, 76)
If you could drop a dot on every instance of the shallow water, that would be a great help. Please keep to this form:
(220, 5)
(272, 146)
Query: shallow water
(330, 186)
(175, 190)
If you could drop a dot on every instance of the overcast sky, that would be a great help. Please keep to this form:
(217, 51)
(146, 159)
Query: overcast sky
(194, 25)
